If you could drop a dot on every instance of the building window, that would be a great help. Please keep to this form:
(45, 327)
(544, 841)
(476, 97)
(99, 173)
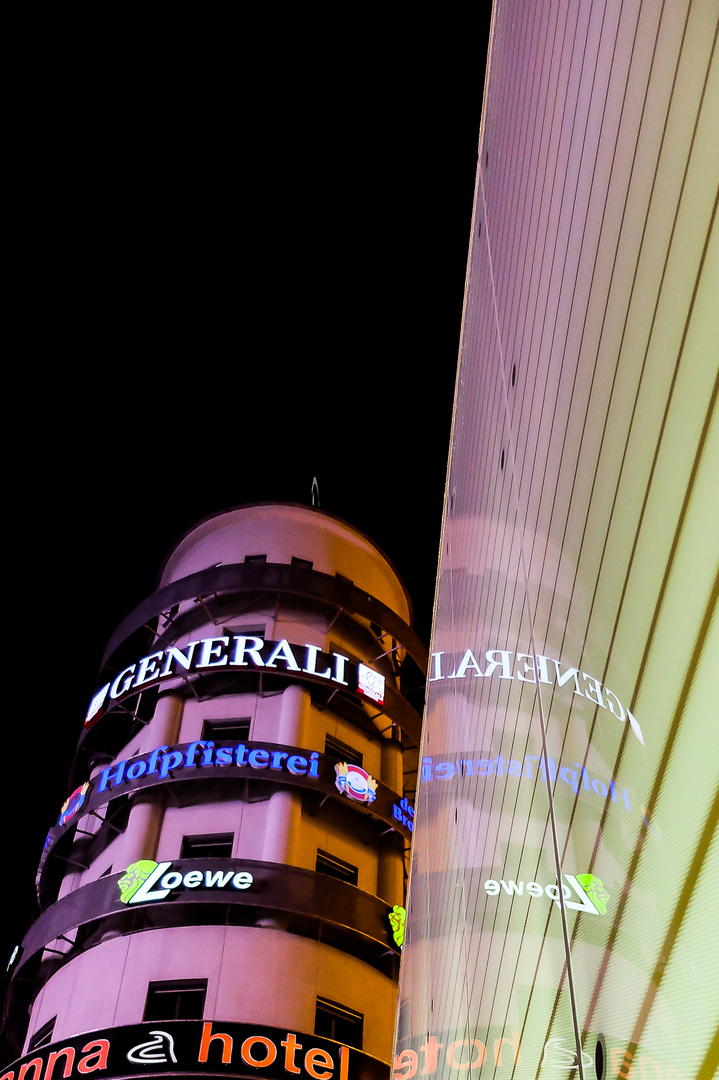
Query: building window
(214, 846)
(335, 1021)
(302, 564)
(336, 868)
(342, 752)
(42, 1036)
(256, 558)
(227, 730)
(181, 999)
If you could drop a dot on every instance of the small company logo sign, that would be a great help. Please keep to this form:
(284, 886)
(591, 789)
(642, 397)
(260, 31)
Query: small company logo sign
(159, 1050)
(397, 919)
(589, 892)
(370, 684)
(73, 803)
(355, 782)
(137, 884)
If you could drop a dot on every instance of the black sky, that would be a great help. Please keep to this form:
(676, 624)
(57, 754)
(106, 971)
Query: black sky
(230, 278)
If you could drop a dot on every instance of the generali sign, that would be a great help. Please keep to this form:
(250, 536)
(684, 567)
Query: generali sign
(530, 668)
(238, 651)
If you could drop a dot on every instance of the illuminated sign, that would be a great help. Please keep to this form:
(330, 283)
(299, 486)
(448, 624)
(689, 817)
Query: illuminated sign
(547, 670)
(237, 652)
(73, 803)
(166, 761)
(590, 890)
(355, 782)
(196, 1047)
(370, 684)
(397, 919)
(405, 813)
(577, 777)
(198, 759)
(137, 885)
(461, 1055)
(558, 1056)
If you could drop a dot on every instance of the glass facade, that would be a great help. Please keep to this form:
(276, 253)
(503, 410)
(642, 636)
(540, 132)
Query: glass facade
(562, 909)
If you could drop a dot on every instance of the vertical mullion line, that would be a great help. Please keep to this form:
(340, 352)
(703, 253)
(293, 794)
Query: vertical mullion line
(530, 620)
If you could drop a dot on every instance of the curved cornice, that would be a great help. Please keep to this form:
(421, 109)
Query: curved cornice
(297, 581)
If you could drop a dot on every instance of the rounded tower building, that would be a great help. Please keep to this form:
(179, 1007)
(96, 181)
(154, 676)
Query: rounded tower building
(223, 891)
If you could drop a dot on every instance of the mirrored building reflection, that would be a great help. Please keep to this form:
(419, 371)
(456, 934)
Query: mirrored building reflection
(565, 863)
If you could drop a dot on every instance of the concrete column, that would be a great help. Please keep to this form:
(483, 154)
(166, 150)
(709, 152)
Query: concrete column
(148, 807)
(294, 711)
(284, 810)
(390, 864)
(165, 724)
(391, 774)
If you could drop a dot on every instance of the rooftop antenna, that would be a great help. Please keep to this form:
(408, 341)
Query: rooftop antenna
(315, 492)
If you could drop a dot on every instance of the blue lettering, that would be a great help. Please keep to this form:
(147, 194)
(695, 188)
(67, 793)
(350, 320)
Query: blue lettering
(169, 762)
(192, 750)
(152, 764)
(258, 758)
(135, 769)
(114, 775)
(569, 776)
(297, 765)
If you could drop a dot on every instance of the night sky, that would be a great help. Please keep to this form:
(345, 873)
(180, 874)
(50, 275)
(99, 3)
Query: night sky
(226, 285)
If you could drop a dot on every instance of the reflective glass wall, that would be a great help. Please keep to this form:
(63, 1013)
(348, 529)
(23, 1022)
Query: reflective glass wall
(563, 918)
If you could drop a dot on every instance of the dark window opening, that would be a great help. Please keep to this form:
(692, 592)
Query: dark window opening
(335, 1021)
(42, 1036)
(237, 730)
(214, 846)
(342, 751)
(304, 564)
(181, 999)
(255, 558)
(331, 866)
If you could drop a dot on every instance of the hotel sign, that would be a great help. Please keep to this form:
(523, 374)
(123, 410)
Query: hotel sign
(237, 652)
(194, 1047)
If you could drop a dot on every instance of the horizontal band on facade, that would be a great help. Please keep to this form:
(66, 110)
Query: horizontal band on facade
(197, 1047)
(204, 761)
(306, 897)
(217, 680)
(296, 581)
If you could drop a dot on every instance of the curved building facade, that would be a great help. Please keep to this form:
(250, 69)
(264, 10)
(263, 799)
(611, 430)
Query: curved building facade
(565, 861)
(224, 888)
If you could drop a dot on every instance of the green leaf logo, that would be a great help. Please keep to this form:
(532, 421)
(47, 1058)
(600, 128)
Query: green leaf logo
(133, 878)
(594, 888)
(397, 918)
